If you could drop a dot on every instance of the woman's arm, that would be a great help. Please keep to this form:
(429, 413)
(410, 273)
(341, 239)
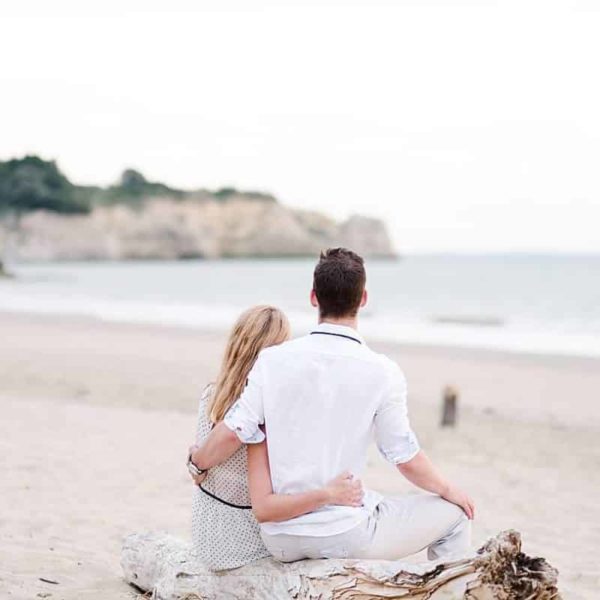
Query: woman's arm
(267, 506)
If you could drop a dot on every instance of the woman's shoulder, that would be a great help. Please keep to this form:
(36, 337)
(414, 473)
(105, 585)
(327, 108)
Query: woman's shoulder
(204, 423)
(207, 393)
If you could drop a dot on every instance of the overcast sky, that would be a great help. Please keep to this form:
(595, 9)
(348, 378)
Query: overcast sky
(468, 126)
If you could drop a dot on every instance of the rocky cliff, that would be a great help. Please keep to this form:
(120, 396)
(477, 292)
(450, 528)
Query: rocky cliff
(45, 217)
(168, 228)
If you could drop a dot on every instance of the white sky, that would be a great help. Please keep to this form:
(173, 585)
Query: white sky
(468, 126)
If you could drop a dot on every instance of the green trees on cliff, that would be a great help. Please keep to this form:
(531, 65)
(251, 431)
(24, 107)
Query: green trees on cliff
(31, 183)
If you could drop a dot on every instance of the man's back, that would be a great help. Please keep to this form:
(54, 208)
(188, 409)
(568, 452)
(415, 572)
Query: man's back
(320, 397)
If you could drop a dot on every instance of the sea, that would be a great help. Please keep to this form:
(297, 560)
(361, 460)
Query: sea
(547, 304)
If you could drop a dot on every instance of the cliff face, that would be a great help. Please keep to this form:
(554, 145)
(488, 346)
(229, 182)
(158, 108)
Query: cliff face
(167, 228)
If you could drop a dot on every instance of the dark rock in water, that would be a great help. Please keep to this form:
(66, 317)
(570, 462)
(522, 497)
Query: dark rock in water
(3, 271)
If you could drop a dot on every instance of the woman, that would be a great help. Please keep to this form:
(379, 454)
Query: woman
(225, 532)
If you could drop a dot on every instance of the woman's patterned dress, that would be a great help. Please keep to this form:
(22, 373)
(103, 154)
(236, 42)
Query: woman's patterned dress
(225, 534)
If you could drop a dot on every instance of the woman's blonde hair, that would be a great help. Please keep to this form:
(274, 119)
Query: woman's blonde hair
(256, 328)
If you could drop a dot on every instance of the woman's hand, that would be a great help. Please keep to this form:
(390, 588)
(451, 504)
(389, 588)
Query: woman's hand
(460, 498)
(344, 490)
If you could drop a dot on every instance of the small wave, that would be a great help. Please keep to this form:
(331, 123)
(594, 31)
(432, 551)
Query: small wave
(478, 321)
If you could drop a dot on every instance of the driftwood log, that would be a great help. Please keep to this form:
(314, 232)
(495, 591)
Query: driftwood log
(163, 565)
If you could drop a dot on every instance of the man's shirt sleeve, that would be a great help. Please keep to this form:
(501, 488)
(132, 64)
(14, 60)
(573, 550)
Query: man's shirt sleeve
(246, 416)
(393, 435)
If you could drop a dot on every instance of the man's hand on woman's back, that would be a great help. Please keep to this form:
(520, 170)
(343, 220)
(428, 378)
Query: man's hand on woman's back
(197, 478)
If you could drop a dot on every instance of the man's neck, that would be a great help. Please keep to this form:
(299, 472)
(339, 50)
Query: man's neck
(345, 321)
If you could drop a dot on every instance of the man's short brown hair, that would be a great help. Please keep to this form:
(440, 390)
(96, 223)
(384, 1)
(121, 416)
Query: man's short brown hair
(339, 281)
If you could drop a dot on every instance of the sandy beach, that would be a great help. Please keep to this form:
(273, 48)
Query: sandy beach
(97, 417)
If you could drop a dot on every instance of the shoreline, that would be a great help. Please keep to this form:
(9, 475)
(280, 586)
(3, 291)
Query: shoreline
(418, 302)
(463, 350)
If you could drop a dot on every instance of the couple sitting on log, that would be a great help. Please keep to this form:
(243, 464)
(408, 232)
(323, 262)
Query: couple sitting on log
(283, 436)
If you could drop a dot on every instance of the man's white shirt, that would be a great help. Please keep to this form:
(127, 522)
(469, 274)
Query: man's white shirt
(323, 398)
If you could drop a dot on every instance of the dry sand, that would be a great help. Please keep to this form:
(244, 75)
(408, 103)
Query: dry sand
(96, 419)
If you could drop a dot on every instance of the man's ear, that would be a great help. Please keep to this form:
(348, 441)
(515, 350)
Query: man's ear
(313, 299)
(365, 297)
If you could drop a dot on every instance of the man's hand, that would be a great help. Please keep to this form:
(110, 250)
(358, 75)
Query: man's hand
(197, 479)
(420, 471)
(460, 498)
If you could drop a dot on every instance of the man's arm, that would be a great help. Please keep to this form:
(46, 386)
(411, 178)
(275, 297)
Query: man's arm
(241, 425)
(399, 445)
(421, 472)
(220, 444)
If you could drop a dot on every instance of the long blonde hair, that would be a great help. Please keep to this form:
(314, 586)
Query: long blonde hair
(256, 328)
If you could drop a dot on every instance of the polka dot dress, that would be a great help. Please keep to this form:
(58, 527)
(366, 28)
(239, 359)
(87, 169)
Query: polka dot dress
(223, 536)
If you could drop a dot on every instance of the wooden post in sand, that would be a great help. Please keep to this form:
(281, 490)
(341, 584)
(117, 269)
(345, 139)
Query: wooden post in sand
(449, 406)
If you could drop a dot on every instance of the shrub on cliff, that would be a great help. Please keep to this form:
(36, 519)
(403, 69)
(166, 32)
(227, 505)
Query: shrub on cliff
(31, 183)
(226, 193)
(132, 188)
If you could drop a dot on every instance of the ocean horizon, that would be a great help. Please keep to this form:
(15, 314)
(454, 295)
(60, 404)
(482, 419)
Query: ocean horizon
(524, 303)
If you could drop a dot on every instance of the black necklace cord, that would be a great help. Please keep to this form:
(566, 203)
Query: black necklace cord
(348, 337)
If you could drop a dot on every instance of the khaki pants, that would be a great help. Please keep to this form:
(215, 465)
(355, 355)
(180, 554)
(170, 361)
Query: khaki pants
(398, 527)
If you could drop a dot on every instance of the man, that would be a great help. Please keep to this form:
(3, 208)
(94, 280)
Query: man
(322, 398)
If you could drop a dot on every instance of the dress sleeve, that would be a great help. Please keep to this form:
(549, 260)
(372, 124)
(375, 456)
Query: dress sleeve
(246, 416)
(394, 437)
